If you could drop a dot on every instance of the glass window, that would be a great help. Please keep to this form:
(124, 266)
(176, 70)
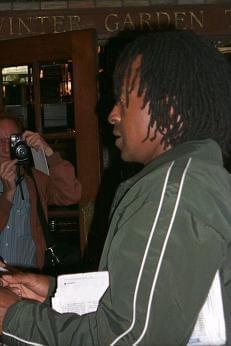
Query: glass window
(56, 95)
(17, 91)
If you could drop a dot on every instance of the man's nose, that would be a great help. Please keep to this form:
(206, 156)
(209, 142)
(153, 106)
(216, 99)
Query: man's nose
(114, 115)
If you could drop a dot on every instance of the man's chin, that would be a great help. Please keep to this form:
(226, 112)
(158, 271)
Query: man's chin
(126, 157)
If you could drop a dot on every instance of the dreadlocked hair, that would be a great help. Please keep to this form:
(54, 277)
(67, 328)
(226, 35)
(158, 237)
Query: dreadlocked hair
(186, 82)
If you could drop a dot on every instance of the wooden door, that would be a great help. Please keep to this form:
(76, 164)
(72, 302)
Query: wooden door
(50, 82)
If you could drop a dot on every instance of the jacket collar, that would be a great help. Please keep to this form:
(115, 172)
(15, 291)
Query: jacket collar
(206, 150)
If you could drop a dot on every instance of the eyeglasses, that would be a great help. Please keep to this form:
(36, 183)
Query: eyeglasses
(4, 146)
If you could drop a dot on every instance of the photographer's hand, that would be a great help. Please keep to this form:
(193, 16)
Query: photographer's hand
(34, 140)
(8, 178)
(26, 285)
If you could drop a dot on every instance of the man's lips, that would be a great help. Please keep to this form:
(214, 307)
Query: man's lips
(118, 138)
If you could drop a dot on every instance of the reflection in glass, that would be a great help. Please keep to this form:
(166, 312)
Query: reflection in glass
(17, 91)
(56, 95)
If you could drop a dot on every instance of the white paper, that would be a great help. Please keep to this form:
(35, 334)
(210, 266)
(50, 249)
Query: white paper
(80, 293)
(210, 327)
(3, 269)
(40, 161)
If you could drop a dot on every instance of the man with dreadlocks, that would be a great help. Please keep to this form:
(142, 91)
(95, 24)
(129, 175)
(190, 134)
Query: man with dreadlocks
(170, 228)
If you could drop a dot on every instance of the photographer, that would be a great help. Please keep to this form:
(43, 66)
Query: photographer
(21, 236)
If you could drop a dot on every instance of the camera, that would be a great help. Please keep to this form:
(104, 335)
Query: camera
(19, 149)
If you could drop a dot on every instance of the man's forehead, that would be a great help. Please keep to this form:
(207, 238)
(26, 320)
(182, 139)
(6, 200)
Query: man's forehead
(7, 127)
(134, 75)
(129, 80)
(134, 66)
(137, 61)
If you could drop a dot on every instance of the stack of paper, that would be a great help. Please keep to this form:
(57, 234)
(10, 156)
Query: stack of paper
(210, 327)
(80, 293)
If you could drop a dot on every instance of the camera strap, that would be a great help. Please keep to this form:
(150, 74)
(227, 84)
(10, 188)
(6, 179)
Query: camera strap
(19, 180)
(50, 243)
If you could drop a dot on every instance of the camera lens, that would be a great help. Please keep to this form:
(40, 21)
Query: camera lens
(21, 152)
(19, 149)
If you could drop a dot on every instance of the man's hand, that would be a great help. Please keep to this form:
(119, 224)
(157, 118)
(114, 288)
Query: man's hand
(7, 298)
(34, 140)
(26, 285)
(8, 178)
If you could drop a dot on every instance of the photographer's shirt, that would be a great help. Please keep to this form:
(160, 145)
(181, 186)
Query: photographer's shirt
(16, 244)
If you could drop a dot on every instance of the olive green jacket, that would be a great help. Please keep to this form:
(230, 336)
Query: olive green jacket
(170, 232)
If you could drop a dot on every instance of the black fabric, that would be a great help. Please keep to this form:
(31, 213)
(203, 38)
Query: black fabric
(60, 257)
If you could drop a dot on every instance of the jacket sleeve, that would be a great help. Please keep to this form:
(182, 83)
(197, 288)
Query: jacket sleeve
(5, 207)
(62, 186)
(163, 269)
(51, 328)
(156, 289)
